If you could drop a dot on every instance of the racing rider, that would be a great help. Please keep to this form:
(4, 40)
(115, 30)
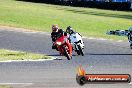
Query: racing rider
(70, 30)
(56, 32)
(130, 36)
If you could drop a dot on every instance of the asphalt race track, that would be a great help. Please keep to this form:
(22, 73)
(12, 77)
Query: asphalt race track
(101, 56)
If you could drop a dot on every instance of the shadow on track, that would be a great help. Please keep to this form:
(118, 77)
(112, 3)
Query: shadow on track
(58, 55)
(53, 54)
(109, 54)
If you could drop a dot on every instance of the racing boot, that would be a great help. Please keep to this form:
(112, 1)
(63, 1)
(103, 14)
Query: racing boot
(53, 46)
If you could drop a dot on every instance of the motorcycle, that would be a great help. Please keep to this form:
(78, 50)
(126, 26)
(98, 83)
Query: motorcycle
(78, 43)
(130, 44)
(122, 33)
(64, 46)
(118, 32)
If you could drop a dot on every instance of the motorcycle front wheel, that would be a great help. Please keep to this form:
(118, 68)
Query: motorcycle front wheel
(78, 52)
(81, 50)
(66, 53)
(131, 46)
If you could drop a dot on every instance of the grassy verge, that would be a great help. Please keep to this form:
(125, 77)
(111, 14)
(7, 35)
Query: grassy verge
(89, 22)
(4, 86)
(18, 55)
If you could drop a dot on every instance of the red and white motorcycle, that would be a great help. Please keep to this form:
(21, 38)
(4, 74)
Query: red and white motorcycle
(64, 46)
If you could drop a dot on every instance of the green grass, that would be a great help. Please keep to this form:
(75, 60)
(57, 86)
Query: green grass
(87, 21)
(19, 55)
(4, 86)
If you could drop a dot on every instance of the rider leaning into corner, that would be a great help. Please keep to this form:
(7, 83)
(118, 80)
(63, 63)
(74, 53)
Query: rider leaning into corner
(70, 31)
(130, 36)
(74, 37)
(56, 32)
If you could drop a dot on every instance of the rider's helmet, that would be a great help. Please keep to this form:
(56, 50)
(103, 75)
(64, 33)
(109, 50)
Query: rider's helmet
(130, 30)
(69, 30)
(55, 28)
